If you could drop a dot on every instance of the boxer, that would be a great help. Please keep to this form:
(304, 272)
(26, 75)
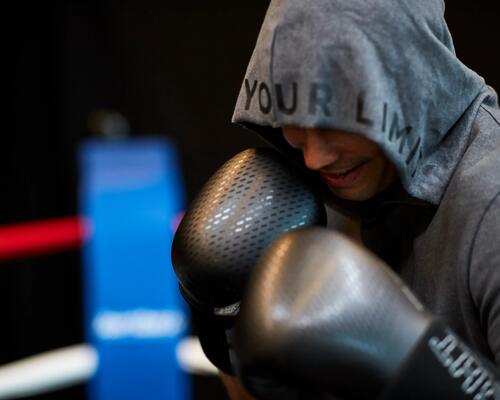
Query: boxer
(403, 137)
(399, 135)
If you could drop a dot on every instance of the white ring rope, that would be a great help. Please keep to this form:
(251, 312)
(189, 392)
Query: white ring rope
(76, 364)
(47, 371)
(192, 359)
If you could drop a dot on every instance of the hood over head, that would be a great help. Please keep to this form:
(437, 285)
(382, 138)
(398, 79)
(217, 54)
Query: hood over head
(383, 68)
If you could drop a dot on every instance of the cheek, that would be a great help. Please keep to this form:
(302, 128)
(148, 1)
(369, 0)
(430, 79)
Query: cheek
(359, 147)
(373, 171)
(369, 149)
(382, 173)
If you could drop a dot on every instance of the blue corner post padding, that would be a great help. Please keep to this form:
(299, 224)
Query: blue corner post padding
(131, 193)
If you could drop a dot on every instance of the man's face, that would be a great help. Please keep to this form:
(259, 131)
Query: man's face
(353, 167)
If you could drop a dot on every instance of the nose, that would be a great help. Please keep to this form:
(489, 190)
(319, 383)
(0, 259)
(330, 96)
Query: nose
(316, 151)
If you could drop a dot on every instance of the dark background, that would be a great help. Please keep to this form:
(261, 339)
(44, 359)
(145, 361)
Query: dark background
(171, 68)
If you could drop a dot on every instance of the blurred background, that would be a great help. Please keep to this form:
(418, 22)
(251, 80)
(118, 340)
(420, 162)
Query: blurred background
(81, 69)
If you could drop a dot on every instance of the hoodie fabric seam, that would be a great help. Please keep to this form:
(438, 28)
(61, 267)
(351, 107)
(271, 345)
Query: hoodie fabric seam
(491, 115)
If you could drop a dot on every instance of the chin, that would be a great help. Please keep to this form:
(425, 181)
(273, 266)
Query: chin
(353, 195)
(355, 198)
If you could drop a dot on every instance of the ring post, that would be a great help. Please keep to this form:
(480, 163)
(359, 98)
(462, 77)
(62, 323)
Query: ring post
(130, 191)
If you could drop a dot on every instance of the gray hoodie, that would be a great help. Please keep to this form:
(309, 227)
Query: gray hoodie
(387, 69)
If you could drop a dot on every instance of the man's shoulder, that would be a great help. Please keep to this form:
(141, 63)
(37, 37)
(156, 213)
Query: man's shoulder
(476, 180)
(473, 187)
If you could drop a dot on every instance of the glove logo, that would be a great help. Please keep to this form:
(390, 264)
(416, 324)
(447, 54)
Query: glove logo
(228, 311)
(462, 365)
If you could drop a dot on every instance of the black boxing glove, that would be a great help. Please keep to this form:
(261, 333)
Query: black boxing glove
(253, 198)
(324, 315)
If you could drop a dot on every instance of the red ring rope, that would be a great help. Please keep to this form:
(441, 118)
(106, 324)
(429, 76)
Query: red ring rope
(41, 237)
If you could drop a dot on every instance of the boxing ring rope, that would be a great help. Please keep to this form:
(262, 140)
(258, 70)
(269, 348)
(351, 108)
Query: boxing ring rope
(75, 364)
(41, 237)
(48, 371)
